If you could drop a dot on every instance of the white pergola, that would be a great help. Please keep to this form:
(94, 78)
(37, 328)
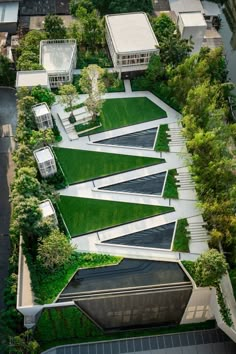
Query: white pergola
(48, 210)
(45, 161)
(42, 116)
(58, 57)
(131, 41)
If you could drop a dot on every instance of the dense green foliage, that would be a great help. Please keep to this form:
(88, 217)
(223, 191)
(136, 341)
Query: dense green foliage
(173, 49)
(7, 74)
(54, 27)
(47, 285)
(181, 239)
(171, 190)
(77, 165)
(210, 267)
(83, 215)
(162, 141)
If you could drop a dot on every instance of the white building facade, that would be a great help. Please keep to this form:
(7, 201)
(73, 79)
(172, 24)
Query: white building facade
(43, 117)
(58, 57)
(131, 41)
(45, 161)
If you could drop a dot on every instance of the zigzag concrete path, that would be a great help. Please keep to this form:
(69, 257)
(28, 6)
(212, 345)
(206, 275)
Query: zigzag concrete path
(185, 206)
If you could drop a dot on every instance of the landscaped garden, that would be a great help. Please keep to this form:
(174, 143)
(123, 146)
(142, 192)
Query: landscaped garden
(171, 190)
(122, 112)
(82, 165)
(84, 215)
(162, 141)
(181, 239)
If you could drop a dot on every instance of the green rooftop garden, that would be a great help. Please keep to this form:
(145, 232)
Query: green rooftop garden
(83, 215)
(122, 112)
(181, 239)
(81, 165)
(171, 190)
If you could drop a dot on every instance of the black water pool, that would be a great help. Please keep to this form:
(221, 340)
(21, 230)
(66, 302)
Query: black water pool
(128, 273)
(143, 139)
(156, 237)
(152, 184)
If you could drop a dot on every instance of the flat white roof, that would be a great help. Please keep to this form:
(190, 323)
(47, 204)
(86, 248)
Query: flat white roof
(32, 78)
(43, 155)
(131, 32)
(193, 19)
(41, 109)
(185, 6)
(211, 8)
(47, 208)
(9, 12)
(56, 56)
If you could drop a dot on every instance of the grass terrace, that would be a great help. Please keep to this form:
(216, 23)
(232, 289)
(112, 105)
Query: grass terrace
(84, 215)
(82, 165)
(122, 112)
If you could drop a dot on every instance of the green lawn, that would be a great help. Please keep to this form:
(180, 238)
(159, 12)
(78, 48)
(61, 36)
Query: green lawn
(69, 325)
(83, 215)
(121, 112)
(162, 142)
(181, 237)
(171, 190)
(81, 165)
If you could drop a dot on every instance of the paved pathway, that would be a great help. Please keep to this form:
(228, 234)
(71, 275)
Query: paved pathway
(185, 207)
(7, 145)
(197, 342)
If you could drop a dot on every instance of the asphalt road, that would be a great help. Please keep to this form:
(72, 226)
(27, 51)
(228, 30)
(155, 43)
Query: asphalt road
(7, 145)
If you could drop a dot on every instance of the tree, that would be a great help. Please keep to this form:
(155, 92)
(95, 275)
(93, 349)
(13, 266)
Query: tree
(91, 82)
(155, 69)
(41, 138)
(54, 27)
(26, 183)
(94, 31)
(6, 74)
(210, 267)
(173, 49)
(119, 6)
(28, 61)
(23, 157)
(75, 31)
(54, 250)
(68, 96)
(42, 94)
(24, 343)
(75, 4)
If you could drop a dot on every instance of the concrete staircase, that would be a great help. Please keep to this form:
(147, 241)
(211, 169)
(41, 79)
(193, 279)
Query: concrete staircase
(196, 229)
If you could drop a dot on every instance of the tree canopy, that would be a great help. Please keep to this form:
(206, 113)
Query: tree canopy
(54, 27)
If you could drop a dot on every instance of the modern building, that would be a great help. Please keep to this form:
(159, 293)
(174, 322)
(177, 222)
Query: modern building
(180, 6)
(9, 16)
(42, 116)
(31, 79)
(48, 210)
(45, 161)
(192, 26)
(131, 42)
(134, 293)
(58, 57)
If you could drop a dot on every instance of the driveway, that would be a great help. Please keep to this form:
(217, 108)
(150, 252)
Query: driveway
(7, 145)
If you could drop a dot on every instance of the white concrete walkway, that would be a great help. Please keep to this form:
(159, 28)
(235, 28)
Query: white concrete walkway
(185, 206)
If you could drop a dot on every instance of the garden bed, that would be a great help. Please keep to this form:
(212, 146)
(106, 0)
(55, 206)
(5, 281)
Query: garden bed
(162, 141)
(82, 165)
(181, 239)
(171, 190)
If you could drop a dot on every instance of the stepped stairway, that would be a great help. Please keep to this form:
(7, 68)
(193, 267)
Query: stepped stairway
(196, 229)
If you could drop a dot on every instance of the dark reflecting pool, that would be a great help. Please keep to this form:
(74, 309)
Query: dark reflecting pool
(143, 139)
(156, 237)
(152, 184)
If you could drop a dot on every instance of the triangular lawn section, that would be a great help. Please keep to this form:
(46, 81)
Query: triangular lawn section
(84, 215)
(83, 165)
